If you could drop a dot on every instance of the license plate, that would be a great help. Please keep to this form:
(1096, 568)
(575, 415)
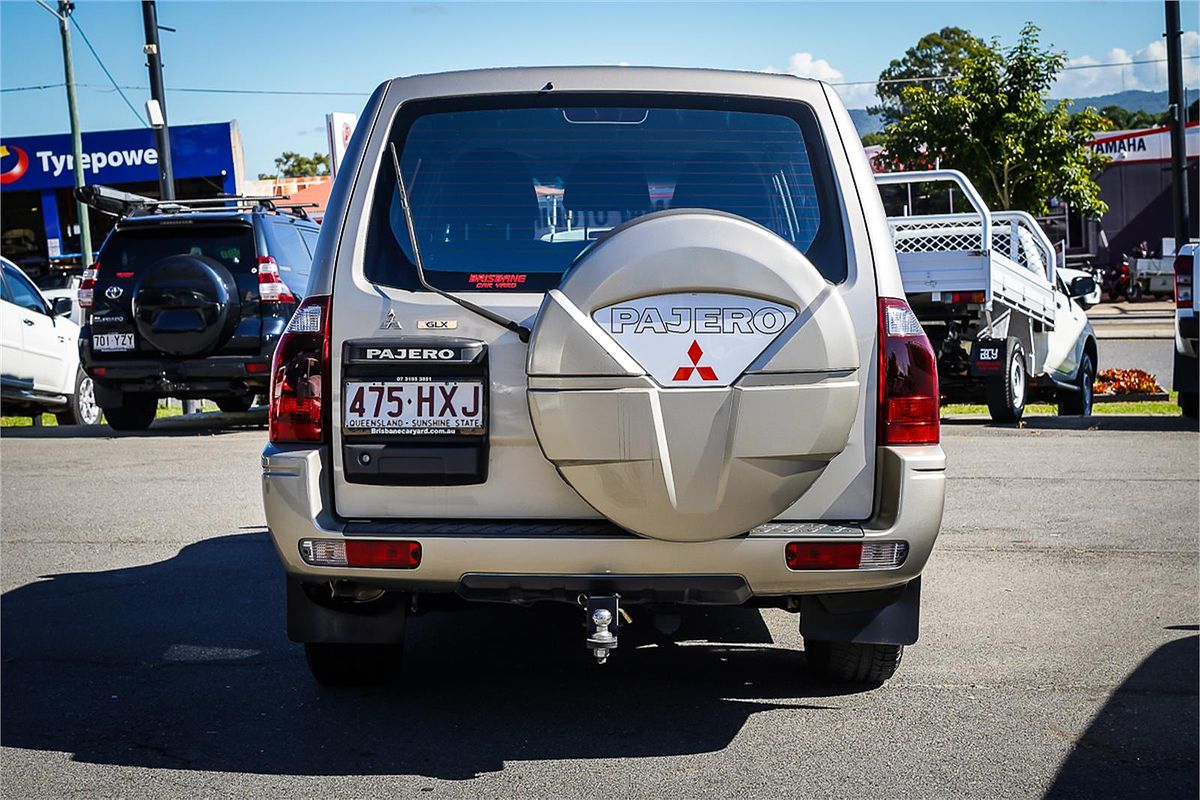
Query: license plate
(112, 341)
(413, 407)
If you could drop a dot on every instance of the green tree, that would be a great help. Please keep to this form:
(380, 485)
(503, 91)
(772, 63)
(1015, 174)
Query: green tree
(872, 139)
(294, 165)
(931, 63)
(994, 124)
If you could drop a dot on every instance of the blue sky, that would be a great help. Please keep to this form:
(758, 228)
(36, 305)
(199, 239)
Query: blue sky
(351, 47)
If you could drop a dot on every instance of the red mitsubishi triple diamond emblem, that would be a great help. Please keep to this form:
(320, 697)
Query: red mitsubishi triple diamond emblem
(685, 373)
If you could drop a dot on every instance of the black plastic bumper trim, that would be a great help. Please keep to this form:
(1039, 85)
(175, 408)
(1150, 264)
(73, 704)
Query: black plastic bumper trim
(633, 589)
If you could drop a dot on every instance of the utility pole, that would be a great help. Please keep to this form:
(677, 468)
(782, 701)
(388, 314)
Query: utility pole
(65, 7)
(1178, 106)
(166, 175)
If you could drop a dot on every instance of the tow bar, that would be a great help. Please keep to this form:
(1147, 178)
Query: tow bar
(603, 621)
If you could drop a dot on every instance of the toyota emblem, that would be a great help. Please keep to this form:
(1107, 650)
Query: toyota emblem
(113, 292)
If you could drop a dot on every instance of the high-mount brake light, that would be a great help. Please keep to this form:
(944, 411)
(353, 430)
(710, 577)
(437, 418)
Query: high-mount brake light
(909, 403)
(300, 376)
(1183, 282)
(87, 286)
(271, 288)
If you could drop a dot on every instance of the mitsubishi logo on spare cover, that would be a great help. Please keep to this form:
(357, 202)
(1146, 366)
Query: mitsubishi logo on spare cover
(685, 373)
(695, 339)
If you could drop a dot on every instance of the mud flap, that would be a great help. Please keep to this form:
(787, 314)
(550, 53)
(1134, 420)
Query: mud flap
(379, 622)
(988, 357)
(889, 616)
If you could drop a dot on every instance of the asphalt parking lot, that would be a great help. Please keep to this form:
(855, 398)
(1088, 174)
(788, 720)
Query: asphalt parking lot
(144, 653)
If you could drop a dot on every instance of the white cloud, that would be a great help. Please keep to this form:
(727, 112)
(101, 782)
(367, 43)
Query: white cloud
(1127, 72)
(805, 65)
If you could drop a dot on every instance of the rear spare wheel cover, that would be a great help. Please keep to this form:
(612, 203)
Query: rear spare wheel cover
(692, 376)
(186, 305)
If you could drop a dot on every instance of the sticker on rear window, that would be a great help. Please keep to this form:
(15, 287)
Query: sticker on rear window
(496, 280)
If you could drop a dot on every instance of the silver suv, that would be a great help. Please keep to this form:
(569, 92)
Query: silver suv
(621, 338)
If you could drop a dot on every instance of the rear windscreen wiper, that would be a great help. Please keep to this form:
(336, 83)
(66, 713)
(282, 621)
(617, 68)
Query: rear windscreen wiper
(520, 330)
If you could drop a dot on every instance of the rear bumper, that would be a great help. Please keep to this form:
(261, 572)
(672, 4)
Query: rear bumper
(181, 378)
(506, 556)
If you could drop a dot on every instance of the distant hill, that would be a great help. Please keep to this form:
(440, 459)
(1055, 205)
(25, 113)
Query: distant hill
(1131, 100)
(865, 123)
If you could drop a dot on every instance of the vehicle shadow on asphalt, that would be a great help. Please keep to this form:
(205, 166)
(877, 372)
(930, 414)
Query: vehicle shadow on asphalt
(184, 664)
(1143, 742)
(1098, 422)
(205, 424)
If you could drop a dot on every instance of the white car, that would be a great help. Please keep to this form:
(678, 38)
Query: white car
(1069, 274)
(39, 354)
(1186, 338)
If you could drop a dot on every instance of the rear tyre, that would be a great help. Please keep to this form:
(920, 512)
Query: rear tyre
(851, 662)
(1188, 403)
(1133, 292)
(236, 405)
(83, 409)
(1079, 403)
(1006, 392)
(136, 413)
(353, 664)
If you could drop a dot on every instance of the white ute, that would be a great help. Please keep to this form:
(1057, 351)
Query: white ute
(984, 285)
(621, 338)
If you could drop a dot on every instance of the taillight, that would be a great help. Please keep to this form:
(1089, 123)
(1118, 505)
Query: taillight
(300, 375)
(1183, 281)
(272, 289)
(845, 555)
(87, 287)
(909, 405)
(361, 553)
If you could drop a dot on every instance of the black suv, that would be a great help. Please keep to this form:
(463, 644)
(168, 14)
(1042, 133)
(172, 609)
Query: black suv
(189, 302)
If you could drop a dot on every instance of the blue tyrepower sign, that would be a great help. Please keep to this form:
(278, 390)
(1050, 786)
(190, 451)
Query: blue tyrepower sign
(32, 163)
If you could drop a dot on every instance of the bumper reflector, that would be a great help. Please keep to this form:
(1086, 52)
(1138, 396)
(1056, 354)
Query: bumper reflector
(845, 555)
(361, 553)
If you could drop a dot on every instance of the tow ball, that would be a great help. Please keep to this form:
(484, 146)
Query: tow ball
(603, 621)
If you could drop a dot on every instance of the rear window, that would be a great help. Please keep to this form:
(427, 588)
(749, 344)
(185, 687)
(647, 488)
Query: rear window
(506, 193)
(132, 250)
(290, 253)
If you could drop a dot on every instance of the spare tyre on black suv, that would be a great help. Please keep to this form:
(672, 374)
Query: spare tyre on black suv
(189, 302)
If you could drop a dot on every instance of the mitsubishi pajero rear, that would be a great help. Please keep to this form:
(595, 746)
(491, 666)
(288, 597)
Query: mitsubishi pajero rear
(615, 337)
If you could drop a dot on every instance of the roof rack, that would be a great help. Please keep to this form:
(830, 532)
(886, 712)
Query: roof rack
(118, 203)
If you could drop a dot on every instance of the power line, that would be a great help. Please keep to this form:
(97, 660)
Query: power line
(1067, 68)
(108, 74)
(8, 89)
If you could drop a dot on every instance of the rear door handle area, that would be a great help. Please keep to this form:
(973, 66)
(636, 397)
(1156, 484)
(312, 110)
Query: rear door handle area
(28, 321)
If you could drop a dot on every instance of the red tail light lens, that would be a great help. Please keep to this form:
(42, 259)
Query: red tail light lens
(300, 375)
(909, 403)
(823, 555)
(271, 288)
(1183, 282)
(87, 287)
(361, 553)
